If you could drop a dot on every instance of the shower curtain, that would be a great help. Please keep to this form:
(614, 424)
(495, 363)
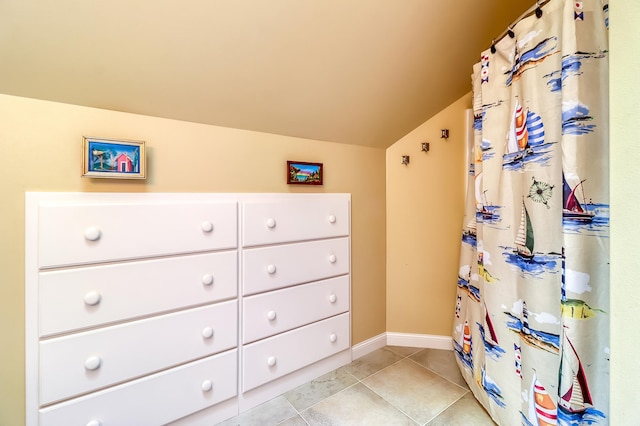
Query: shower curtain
(531, 321)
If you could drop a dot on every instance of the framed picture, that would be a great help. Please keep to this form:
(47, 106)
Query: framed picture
(299, 172)
(108, 158)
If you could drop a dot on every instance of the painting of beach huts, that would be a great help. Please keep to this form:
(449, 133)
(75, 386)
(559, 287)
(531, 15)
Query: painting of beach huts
(104, 158)
(299, 172)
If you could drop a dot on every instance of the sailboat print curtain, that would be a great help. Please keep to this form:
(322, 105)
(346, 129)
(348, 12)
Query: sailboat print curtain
(531, 322)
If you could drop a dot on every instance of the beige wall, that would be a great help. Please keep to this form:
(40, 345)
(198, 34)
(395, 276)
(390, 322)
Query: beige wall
(625, 199)
(40, 148)
(425, 201)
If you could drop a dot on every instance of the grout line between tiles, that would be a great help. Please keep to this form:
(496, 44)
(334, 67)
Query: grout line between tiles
(361, 381)
(439, 375)
(392, 404)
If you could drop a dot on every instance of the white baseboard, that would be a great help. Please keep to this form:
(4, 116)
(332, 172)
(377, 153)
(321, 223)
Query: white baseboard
(401, 339)
(420, 341)
(368, 346)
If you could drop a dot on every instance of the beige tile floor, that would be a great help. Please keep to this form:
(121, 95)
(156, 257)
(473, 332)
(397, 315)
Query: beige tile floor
(390, 386)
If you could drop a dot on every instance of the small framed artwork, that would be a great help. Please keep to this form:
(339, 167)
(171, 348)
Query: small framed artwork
(302, 173)
(109, 158)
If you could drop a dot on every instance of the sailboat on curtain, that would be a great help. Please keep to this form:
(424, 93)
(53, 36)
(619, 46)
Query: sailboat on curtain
(525, 139)
(575, 396)
(575, 405)
(525, 238)
(542, 410)
(464, 348)
(491, 388)
(518, 138)
(572, 209)
(490, 337)
(484, 210)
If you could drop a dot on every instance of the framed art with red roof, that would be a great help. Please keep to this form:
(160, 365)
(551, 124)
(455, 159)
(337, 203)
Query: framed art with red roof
(109, 158)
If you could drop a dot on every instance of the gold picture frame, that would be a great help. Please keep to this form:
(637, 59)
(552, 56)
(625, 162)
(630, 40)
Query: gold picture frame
(113, 158)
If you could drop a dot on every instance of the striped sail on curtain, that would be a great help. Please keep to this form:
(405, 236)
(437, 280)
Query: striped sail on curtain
(531, 323)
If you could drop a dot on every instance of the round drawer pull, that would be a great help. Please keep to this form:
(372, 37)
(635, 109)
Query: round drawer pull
(92, 298)
(271, 361)
(332, 219)
(333, 338)
(207, 279)
(207, 332)
(271, 315)
(92, 363)
(207, 385)
(271, 269)
(333, 258)
(94, 423)
(207, 226)
(92, 233)
(271, 223)
(333, 298)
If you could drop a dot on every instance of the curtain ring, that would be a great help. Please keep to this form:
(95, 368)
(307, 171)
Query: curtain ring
(493, 46)
(538, 9)
(510, 32)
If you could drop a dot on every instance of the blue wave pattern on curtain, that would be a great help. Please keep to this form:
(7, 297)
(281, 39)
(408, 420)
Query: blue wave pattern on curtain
(531, 325)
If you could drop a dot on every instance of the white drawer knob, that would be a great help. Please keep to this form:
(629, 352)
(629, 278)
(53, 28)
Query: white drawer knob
(207, 385)
(332, 218)
(271, 269)
(333, 298)
(92, 363)
(92, 298)
(207, 226)
(92, 233)
(94, 423)
(271, 315)
(271, 223)
(333, 338)
(333, 258)
(207, 279)
(207, 332)
(271, 361)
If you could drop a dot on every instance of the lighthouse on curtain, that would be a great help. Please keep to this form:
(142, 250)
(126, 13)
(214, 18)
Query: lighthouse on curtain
(525, 319)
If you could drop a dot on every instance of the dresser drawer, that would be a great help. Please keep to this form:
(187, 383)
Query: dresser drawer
(276, 356)
(304, 217)
(81, 233)
(82, 362)
(153, 400)
(268, 268)
(78, 298)
(270, 313)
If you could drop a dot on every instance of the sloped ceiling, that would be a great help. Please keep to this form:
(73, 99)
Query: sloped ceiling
(362, 72)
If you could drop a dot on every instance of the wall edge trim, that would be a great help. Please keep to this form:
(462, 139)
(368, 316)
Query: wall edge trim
(427, 341)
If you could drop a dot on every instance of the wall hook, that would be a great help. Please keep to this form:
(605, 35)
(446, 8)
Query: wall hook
(425, 146)
(405, 159)
(445, 134)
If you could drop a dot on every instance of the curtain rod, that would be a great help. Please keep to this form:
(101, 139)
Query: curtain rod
(537, 11)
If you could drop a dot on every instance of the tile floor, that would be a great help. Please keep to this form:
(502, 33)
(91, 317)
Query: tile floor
(391, 386)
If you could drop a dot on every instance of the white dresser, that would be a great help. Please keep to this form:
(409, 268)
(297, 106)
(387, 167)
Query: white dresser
(149, 309)
(295, 288)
